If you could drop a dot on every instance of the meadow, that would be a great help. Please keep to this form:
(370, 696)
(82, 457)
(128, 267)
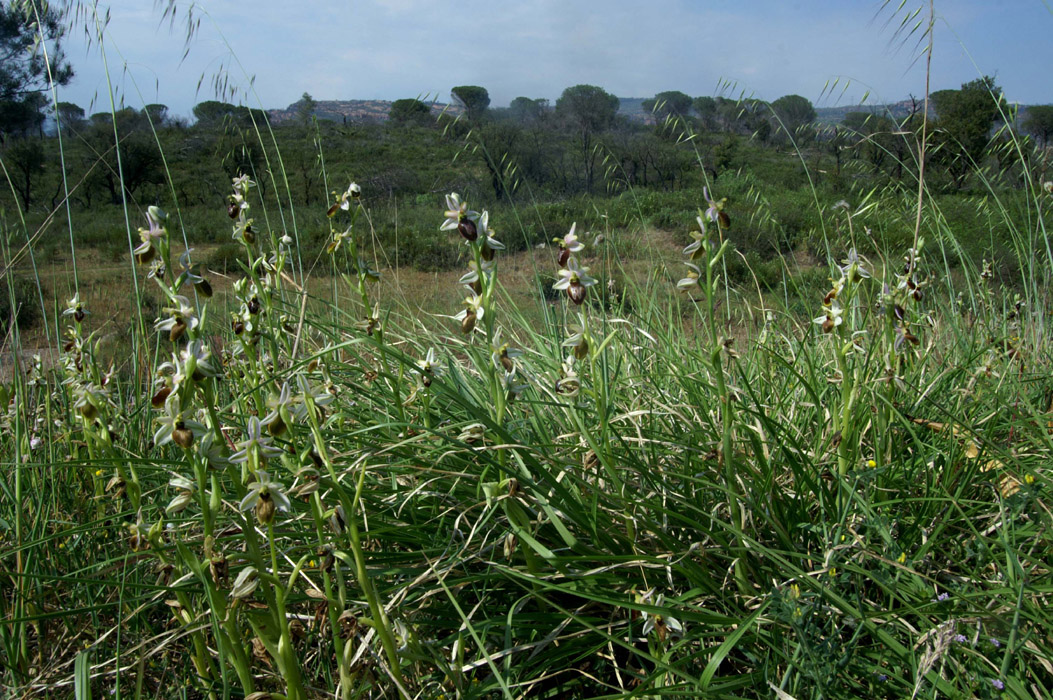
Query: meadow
(369, 411)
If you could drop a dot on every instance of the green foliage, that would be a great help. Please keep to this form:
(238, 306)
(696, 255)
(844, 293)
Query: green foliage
(25, 159)
(211, 112)
(794, 111)
(706, 109)
(713, 490)
(157, 113)
(1038, 122)
(671, 103)
(70, 115)
(965, 119)
(473, 99)
(527, 110)
(24, 73)
(409, 111)
(19, 304)
(587, 108)
(305, 109)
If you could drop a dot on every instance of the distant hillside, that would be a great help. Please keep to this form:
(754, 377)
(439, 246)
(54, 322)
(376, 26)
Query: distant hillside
(835, 115)
(351, 110)
(630, 107)
(377, 110)
(898, 110)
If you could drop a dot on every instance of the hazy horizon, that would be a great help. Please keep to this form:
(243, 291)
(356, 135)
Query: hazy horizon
(415, 48)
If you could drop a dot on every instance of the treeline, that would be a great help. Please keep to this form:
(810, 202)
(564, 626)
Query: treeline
(579, 145)
(559, 157)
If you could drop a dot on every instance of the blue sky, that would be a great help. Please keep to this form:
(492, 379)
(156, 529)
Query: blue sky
(390, 49)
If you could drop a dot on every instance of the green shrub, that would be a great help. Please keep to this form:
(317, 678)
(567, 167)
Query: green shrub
(19, 303)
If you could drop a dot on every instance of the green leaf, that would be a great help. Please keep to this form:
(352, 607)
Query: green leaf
(82, 676)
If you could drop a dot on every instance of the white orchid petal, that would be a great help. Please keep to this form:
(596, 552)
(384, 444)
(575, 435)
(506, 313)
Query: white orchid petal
(250, 500)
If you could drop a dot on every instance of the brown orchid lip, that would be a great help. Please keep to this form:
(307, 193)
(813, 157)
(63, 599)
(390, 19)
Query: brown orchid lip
(467, 229)
(468, 324)
(146, 256)
(158, 399)
(576, 292)
(178, 329)
(265, 508)
(277, 426)
(182, 436)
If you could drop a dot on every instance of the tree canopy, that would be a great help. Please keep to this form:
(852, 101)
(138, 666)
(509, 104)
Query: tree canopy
(1038, 122)
(211, 111)
(671, 103)
(158, 113)
(526, 109)
(794, 111)
(965, 118)
(706, 109)
(70, 114)
(587, 107)
(305, 108)
(473, 98)
(409, 111)
(23, 69)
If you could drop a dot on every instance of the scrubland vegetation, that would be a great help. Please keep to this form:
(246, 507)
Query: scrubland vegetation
(528, 404)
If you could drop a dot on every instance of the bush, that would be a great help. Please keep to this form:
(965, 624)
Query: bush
(21, 305)
(225, 257)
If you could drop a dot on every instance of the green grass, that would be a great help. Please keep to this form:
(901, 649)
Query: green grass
(532, 568)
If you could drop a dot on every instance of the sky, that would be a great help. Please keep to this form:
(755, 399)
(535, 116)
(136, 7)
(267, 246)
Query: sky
(267, 53)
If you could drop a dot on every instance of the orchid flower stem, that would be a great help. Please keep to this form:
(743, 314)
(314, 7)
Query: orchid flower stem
(380, 617)
(334, 605)
(727, 415)
(381, 622)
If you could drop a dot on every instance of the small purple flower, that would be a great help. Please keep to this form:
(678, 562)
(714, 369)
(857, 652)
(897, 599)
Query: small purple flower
(995, 642)
(942, 597)
(998, 684)
(882, 677)
(960, 638)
